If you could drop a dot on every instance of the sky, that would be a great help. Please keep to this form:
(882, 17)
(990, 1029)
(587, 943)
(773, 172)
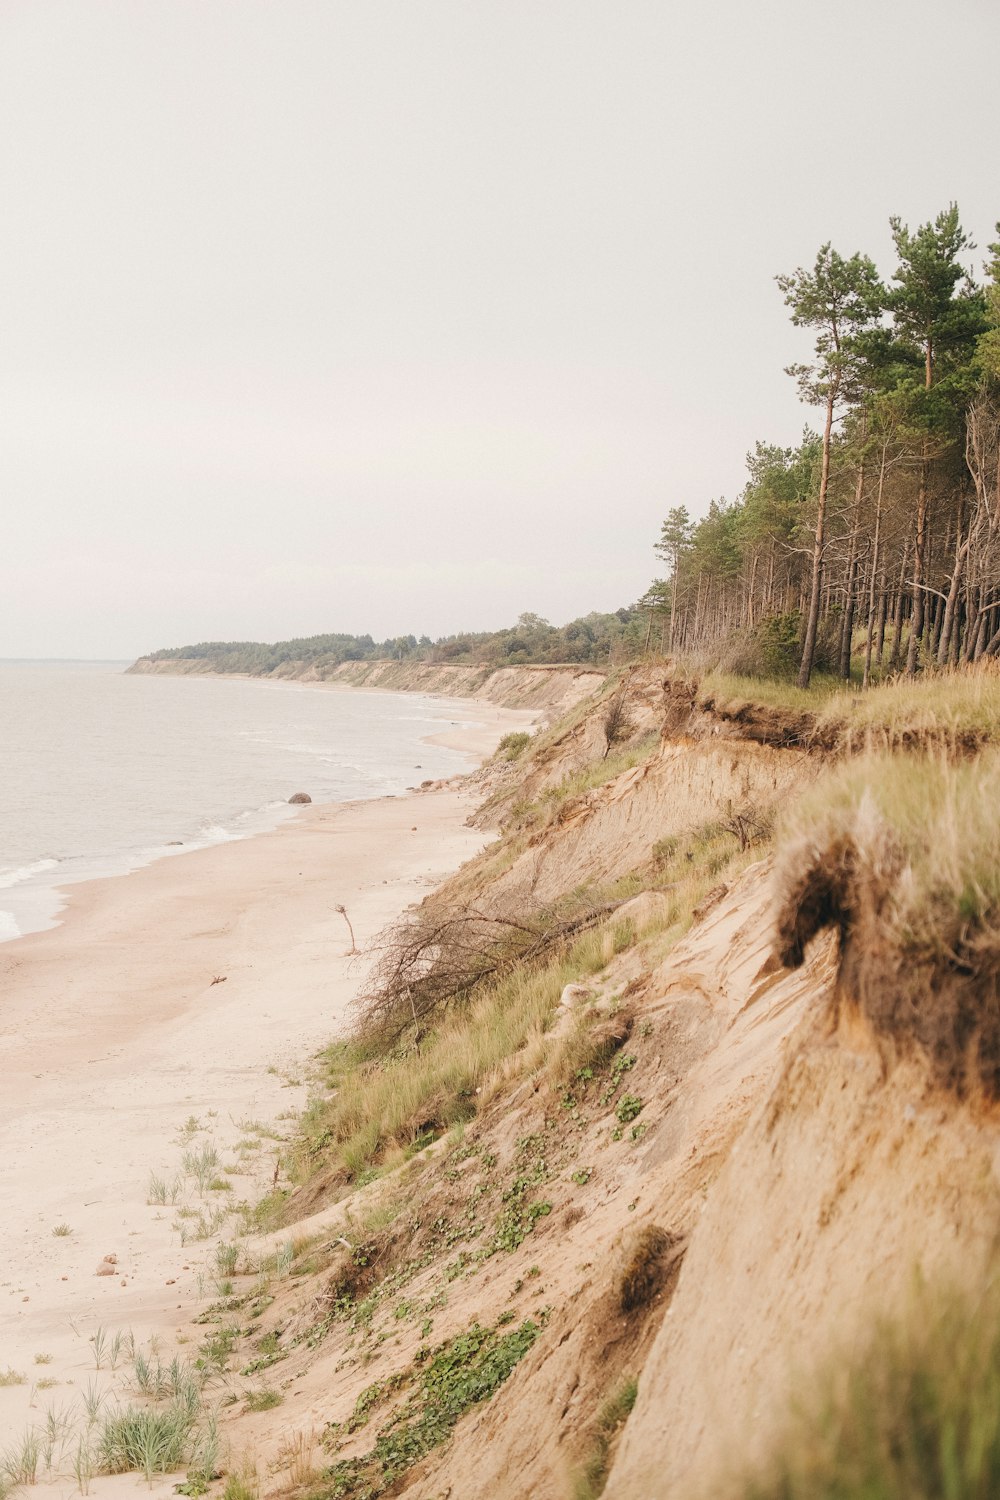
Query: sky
(411, 315)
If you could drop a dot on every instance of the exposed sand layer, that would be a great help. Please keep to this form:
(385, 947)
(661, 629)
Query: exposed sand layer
(551, 687)
(194, 990)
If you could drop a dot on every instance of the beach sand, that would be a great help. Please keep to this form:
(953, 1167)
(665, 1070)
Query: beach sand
(119, 1054)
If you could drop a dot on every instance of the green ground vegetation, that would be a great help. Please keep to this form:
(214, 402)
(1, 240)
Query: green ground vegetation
(913, 1416)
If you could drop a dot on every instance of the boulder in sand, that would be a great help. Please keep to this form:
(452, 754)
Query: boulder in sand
(300, 797)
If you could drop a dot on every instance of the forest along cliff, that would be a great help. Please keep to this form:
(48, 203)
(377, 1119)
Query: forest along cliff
(656, 1114)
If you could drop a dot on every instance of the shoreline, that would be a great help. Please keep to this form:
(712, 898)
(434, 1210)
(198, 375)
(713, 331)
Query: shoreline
(167, 1013)
(31, 904)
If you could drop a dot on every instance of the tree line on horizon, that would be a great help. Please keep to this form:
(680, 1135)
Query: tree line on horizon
(872, 546)
(875, 540)
(594, 639)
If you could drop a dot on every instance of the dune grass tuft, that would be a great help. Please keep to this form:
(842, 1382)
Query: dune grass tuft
(591, 1478)
(409, 1097)
(915, 1417)
(958, 710)
(901, 855)
(728, 688)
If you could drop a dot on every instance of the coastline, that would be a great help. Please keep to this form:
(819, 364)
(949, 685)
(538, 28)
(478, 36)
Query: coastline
(34, 890)
(194, 989)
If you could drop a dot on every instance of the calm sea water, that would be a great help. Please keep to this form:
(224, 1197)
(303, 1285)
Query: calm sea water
(101, 772)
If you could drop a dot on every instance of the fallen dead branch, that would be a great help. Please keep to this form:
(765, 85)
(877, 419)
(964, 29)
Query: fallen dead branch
(439, 958)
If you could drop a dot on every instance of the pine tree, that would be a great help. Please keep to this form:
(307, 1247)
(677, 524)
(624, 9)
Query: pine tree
(840, 299)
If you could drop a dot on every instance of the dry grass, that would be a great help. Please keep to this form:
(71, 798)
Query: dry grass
(901, 854)
(445, 953)
(958, 710)
(596, 773)
(770, 692)
(298, 1459)
(589, 1042)
(379, 1107)
(590, 1480)
(915, 1417)
(382, 1107)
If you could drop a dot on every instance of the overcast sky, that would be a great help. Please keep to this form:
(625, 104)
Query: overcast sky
(392, 315)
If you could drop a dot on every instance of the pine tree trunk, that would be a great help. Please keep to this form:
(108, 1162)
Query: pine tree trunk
(869, 639)
(883, 615)
(972, 622)
(897, 624)
(949, 612)
(812, 622)
(918, 617)
(847, 623)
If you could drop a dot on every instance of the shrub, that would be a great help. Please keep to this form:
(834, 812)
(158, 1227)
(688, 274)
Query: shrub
(513, 744)
(771, 650)
(618, 723)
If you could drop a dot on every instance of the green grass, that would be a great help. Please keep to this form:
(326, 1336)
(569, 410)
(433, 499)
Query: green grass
(915, 1416)
(591, 1478)
(446, 1382)
(263, 1400)
(145, 1440)
(19, 1464)
(512, 745)
(376, 1109)
(242, 1485)
(726, 689)
(379, 1105)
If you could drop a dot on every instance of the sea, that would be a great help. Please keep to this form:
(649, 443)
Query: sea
(102, 772)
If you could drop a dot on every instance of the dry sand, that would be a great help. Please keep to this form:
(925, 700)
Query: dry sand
(113, 1036)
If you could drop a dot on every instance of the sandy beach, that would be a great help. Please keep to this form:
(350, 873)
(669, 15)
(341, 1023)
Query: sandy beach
(173, 1014)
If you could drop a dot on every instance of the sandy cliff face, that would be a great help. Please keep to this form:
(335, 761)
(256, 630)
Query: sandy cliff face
(710, 1032)
(549, 688)
(844, 1189)
(511, 687)
(604, 833)
(776, 1174)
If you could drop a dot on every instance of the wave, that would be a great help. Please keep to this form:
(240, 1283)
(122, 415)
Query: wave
(26, 872)
(214, 833)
